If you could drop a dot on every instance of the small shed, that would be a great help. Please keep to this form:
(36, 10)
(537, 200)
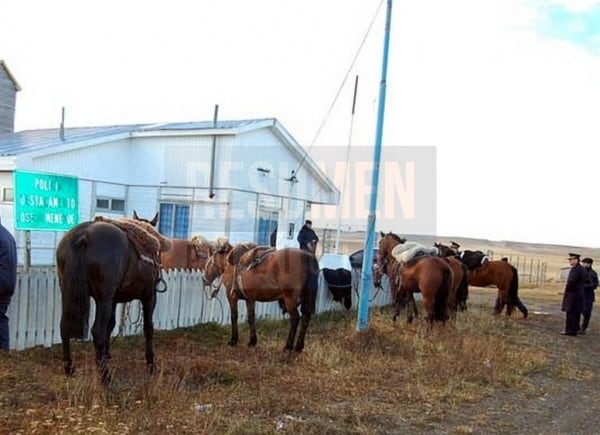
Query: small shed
(8, 97)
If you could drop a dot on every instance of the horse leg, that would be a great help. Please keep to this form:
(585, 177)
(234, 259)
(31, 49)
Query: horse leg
(499, 305)
(66, 346)
(399, 303)
(304, 321)
(233, 308)
(148, 309)
(111, 325)
(292, 308)
(99, 336)
(251, 309)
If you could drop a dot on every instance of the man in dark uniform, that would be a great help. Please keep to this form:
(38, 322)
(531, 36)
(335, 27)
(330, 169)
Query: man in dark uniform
(572, 302)
(307, 238)
(8, 281)
(591, 282)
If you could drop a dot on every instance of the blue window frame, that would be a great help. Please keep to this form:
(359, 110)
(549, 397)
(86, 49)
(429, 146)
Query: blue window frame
(174, 220)
(267, 223)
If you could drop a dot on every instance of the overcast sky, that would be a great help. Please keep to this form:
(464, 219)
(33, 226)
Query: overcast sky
(506, 90)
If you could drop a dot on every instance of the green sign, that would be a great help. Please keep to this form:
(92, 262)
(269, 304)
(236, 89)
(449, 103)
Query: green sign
(45, 201)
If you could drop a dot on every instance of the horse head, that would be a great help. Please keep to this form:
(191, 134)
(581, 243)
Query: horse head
(388, 242)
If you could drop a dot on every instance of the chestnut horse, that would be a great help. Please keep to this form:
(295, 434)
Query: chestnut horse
(184, 254)
(429, 275)
(498, 273)
(111, 261)
(187, 254)
(263, 274)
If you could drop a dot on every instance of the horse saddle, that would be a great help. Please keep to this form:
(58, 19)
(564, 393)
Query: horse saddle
(474, 259)
(406, 252)
(256, 256)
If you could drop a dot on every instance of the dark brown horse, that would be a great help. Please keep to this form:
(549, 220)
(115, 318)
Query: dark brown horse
(429, 275)
(111, 261)
(498, 273)
(461, 275)
(263, 274)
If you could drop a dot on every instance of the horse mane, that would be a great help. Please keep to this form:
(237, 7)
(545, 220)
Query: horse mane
(236, 253)
(218, 244)
(395, 237)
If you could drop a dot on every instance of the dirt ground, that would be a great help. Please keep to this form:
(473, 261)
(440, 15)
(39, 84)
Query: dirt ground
(566, 403)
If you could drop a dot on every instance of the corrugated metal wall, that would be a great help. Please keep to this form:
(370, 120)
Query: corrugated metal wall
(8, 97)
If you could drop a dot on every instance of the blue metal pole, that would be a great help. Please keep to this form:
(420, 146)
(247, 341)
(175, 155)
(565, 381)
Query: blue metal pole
(367, 272)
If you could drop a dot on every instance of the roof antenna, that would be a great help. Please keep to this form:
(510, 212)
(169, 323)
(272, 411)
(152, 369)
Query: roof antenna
(62, 124)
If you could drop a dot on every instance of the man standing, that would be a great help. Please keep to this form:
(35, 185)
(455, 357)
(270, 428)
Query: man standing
(591, 282)
(8, 280)
(308, 238)
(572, 302)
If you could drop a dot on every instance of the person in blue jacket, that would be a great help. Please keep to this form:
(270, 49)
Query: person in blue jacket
(8, 281)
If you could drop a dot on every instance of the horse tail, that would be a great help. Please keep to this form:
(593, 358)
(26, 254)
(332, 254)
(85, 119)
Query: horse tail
(513, 287)
(462, 292)
(513, 294)
(76, 291)
(440, 304)
(311, 285)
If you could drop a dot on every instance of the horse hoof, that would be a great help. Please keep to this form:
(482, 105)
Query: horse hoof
(252, 343)
(233, 342)
(69, 371)
(151, 368)
(106, 379)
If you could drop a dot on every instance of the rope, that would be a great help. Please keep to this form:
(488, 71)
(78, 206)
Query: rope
(125, 314)
(339, 91)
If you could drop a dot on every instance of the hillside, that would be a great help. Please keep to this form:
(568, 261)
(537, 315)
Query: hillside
(555, 256)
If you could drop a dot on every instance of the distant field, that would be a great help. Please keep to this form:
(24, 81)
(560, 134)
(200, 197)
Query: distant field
(554, 255)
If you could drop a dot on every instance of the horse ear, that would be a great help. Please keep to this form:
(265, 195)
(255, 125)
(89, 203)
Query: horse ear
(154, 221)
(381, 233)
(402, 240)
(135, 216)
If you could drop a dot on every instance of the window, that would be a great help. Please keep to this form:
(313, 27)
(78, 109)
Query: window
(111, 204)
(267, 223)
(8, 194)
(174, 220)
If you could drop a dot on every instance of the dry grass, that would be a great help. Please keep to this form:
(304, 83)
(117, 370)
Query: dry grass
(389, 377)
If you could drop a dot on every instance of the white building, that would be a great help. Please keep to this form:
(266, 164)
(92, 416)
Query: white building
(261, 178)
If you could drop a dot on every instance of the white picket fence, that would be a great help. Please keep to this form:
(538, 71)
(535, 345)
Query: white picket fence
(35, 309)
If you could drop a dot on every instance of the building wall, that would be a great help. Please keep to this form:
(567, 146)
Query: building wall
(8, 97)
(146, 171)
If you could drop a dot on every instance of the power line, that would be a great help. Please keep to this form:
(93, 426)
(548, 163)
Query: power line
(339, 91)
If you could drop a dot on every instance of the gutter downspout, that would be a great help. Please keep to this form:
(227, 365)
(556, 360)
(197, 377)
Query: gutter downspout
(211, 191)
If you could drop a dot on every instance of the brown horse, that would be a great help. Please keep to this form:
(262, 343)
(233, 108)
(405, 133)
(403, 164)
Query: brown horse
(505, 277)
(498, 273)
(190, 254)
(263, 274)
(111, 261)
(461, 276)
(429, 275)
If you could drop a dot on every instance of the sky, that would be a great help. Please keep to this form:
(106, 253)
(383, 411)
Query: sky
(506, 91)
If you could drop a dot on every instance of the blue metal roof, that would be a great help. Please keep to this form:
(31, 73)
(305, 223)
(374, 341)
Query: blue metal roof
(35, 140)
